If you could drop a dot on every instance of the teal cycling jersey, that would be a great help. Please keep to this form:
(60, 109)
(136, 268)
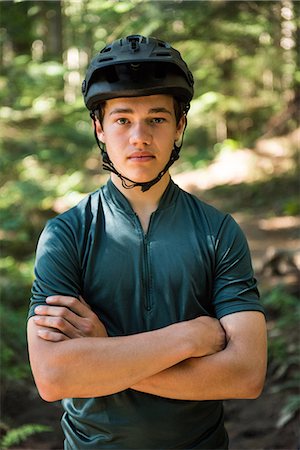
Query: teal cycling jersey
(193, 260)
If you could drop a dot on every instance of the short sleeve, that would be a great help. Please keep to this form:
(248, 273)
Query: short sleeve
(57, 264)
(235, 288)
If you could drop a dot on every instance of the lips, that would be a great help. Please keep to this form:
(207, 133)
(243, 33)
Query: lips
(141, 156)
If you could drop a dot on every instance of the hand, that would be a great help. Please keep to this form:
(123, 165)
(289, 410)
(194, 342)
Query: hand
(66, 318)
(207, 334)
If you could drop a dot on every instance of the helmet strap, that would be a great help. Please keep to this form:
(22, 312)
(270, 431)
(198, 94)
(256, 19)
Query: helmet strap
(126, 182)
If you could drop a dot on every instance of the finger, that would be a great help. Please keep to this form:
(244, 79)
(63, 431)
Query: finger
(72, 303)
(57, 324)
(57, 317)
(61, 319)
(58, 311)
(51, 335)
(67, 322)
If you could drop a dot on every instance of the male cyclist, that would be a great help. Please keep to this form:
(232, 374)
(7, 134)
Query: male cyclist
(144, 313)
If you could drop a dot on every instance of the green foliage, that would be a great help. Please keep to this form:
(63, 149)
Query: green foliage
(16, 436)
(284, 350)
(292, 206)
(289, 411)
(13, 359)
(284, 306)
(16, 277)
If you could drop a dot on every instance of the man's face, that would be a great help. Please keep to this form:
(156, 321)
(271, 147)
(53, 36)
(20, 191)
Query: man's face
(139, 134)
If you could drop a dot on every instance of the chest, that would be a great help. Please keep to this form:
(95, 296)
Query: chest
(137, 281)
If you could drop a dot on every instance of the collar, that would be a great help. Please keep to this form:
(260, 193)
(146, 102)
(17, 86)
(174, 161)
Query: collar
(114, 196)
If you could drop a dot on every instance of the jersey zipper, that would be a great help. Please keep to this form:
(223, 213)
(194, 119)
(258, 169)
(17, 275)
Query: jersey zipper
(146, 272)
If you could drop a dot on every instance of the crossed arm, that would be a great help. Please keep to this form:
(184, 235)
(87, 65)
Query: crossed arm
(71, 355)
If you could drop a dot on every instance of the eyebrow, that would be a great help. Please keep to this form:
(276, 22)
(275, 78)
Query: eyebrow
(131, 111)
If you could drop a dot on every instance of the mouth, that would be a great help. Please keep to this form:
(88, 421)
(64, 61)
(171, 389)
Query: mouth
(141, 157)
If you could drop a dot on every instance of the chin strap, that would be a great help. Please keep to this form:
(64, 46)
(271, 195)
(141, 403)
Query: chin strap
(126, 182)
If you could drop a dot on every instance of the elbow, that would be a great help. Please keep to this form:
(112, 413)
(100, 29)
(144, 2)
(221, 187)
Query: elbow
(48, 385)
(254, 386)
(48, 394)
(254, 391)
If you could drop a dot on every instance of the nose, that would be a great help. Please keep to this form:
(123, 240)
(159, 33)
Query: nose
(140, 135)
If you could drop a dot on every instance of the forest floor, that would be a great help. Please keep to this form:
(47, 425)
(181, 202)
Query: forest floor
(251, 424)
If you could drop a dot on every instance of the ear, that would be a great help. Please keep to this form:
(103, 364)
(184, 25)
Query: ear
(180, 127)
(99, 130)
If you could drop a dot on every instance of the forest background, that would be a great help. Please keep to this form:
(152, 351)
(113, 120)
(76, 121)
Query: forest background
(243, 55)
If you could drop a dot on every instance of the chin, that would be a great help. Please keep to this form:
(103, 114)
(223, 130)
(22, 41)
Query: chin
(141, 177)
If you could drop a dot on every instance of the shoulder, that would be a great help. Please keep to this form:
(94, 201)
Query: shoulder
(212, 216)
(80, 214)
(218, 225)
(83, 211)
(72, 224)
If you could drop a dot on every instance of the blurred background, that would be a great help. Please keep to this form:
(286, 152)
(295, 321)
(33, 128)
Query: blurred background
(241, 154)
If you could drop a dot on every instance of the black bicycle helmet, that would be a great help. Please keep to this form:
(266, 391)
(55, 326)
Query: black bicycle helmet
(135, 66)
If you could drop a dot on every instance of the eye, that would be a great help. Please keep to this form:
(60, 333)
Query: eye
(158, 120)
(122, 121)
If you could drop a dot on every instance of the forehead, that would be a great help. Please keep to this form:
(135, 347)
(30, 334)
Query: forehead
(141, 104)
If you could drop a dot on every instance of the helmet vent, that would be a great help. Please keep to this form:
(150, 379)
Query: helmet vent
(105, 59)
(106, 49)
(162, 54)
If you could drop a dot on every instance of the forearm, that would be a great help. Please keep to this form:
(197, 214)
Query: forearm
(213, 377)
(89, 367)
(236, 372)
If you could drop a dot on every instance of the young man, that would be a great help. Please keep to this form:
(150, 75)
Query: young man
(145, 312)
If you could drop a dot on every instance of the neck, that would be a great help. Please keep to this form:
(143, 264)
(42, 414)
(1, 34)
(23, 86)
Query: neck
(143, 203)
